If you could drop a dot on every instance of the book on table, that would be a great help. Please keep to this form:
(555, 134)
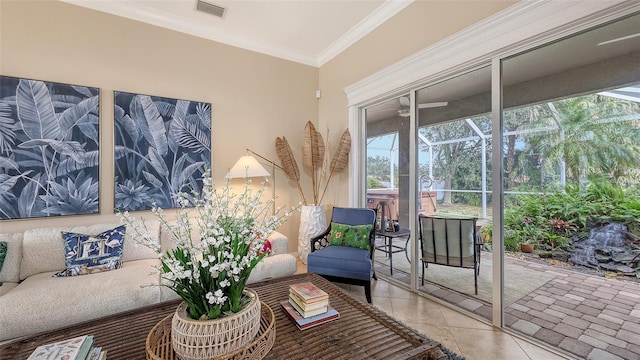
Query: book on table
(305, 306)
(309, 312)
(102, 355)
(306, 323)
(78, 348)
(308, 292)
(97, 354)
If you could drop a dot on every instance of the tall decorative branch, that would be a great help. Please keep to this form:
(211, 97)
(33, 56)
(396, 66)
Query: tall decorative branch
(325, 163)
(313, 155)
(340, 158)
(289, 164)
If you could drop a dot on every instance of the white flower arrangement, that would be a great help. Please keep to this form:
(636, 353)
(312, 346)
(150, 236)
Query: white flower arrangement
(210, 274)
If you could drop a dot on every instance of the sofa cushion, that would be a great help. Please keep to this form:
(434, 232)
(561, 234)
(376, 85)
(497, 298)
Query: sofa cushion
(87, 254)
(42, 250)
(11, 268)
(274, 266)
(3, 254)
(43, 303)
(341, 261)
(6, 287)
(350, 235)
(279, 243)
(132, 249)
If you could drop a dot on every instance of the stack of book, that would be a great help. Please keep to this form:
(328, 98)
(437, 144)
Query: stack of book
(308, 306)
(78, 348)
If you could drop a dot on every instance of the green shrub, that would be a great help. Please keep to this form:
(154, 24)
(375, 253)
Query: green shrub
(552, 219)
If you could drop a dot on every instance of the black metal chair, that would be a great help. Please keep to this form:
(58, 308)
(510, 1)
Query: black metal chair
(450, 240)
(345, 264)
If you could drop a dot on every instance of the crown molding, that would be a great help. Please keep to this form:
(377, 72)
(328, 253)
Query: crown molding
(522, 26)
(383, 13)
(139, 12)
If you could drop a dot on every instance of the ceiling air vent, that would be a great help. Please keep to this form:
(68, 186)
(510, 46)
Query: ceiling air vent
(210, 8)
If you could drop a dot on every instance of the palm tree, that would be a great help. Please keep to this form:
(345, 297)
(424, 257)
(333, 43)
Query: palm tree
(595, 135)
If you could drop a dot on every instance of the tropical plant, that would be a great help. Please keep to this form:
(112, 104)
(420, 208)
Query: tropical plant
(593, 136)
(487, 232)
(563, 227)
(561, 216)
(48, 149)
(531, 233)
(161, 146)
(210, 273)
(315, 158)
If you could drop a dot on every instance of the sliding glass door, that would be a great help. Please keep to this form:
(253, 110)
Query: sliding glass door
(571, 134)
(452, 179)
(540, 150)
(454, 152)
(388, 183)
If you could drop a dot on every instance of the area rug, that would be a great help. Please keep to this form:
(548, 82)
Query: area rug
(519, 281)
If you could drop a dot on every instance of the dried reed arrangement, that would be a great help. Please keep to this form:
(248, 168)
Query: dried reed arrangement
(288, 163)
(315, 158)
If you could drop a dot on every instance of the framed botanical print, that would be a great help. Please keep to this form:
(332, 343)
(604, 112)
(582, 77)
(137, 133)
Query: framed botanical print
(49, 143)
(162, 147)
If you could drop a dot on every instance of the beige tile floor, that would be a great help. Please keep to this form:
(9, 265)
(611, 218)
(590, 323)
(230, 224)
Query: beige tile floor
(463, 334)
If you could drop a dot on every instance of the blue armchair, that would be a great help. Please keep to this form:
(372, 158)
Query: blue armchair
(345, 264)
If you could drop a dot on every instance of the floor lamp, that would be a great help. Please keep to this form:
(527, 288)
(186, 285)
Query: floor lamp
(247, 166)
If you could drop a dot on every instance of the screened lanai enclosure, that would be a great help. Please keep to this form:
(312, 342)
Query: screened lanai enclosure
(543, 145)
(567, 131)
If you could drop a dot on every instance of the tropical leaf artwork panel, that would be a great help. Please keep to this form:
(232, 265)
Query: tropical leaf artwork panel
(49, 143)
(162, 147)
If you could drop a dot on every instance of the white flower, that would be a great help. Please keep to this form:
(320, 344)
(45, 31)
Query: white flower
(216, 298)
(233, 228)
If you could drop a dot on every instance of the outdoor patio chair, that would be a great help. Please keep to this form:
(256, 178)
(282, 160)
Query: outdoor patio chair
(349, 262)
(450, 240)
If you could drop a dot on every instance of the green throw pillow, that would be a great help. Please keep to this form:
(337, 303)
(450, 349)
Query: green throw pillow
(350, 235)
(3, 254)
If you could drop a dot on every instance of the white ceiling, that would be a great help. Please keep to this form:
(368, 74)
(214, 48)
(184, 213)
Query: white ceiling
(310, 32)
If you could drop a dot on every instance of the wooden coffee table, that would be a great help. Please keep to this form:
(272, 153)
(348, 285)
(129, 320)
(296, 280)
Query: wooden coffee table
(362, 332)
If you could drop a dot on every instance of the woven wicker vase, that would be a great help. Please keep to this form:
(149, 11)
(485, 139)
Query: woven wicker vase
(210, 339)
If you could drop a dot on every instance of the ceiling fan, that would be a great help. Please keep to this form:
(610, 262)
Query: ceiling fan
(405, 109)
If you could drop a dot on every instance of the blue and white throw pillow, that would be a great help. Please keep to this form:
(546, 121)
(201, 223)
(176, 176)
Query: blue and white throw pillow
(86, 254)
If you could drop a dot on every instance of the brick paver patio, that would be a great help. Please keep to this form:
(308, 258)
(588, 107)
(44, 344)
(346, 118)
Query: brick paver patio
(585, 316)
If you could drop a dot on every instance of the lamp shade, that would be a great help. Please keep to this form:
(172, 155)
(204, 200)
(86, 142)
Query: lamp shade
(247, 166)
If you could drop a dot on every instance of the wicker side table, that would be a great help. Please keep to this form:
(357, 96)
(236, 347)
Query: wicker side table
(158, 343)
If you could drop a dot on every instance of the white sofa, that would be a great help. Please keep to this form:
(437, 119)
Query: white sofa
(33, 301)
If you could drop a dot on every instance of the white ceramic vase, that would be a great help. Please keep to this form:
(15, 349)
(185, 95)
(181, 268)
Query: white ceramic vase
(312, 222)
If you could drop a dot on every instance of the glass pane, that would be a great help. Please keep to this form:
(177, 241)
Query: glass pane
(454, 155)
(572, 192)
(388, 156)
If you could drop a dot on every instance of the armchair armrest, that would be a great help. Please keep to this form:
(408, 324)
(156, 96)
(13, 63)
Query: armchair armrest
(320, 241)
